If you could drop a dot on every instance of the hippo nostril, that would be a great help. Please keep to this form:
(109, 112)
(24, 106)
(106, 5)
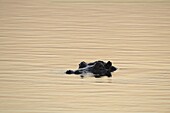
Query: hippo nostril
(69, 72)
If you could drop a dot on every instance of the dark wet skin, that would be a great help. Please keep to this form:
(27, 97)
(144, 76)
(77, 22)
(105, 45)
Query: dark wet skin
(98, 68)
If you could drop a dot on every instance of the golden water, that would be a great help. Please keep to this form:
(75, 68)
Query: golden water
(41, 39)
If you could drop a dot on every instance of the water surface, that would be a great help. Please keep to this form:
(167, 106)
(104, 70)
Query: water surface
(41, 39)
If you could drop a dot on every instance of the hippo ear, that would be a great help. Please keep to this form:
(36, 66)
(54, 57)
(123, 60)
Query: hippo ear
(112, 69)
(108, 65)
(108, 74)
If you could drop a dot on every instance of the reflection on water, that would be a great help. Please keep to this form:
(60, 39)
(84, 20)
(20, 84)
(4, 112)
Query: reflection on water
(39, 40)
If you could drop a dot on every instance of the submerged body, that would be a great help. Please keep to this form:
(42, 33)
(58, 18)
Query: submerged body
(97, 68)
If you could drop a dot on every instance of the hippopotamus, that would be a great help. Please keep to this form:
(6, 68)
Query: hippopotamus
(97, 68)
